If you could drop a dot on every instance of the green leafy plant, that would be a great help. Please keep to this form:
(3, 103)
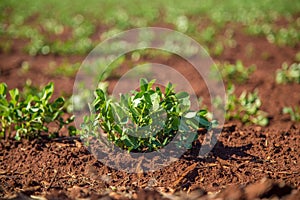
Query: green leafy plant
(288, 74)
(144, 120)
(29, 114)
(288, 36)
(65, 69)
(235, 73)
(245, 108)
(294, 112)
(281, 36)
(208, 35)
(217, 49)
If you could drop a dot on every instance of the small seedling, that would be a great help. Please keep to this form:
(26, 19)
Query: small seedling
(288, 74)
(208, 35)
(235, 73)
(66, 69)
(144, 120)
(294, 112)
(245, 108)
(29, 114)
(217, 49)
(285, 36)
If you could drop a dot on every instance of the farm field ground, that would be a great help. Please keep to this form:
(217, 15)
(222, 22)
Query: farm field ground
(46, 42)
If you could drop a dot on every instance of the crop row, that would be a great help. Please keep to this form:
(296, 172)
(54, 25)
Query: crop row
(133, 123)
(76, 30)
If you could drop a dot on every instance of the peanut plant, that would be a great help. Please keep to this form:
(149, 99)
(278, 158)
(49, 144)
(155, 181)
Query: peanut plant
(28, 114)
(288, 74)
(294, 112)
(144, 120)
(235, 73)
(245, 108)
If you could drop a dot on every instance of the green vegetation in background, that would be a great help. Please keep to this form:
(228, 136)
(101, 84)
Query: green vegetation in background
(234, 73)
(44, 23)
(65, 69)
(288, 74)
(245, 108)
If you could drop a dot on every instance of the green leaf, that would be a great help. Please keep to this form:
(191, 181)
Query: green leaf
(169, 89)
(155, 100)
(202, 113)
(3, 90)
(182, 95)
(143, 84)
(150, 84)
(70, 119)
(287, 110)
(190, 115)
(15, 95)
(33, 110)
(148, 99)
(203, 121)
(263, 121)
(47, 91)
(58, 103)
(124, 100)
(17, 136)
(72, 131)
(18, 113)
(175, 123)
(100, 94)
(193, 123)
(4, 109)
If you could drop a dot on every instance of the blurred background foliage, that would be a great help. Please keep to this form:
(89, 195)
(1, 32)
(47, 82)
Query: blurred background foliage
(54, 26)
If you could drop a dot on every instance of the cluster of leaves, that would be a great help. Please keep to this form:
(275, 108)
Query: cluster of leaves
(245, 108)
(294, 112)
(235, 73)
(288, 74)
(144, 120)
(27, 114)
